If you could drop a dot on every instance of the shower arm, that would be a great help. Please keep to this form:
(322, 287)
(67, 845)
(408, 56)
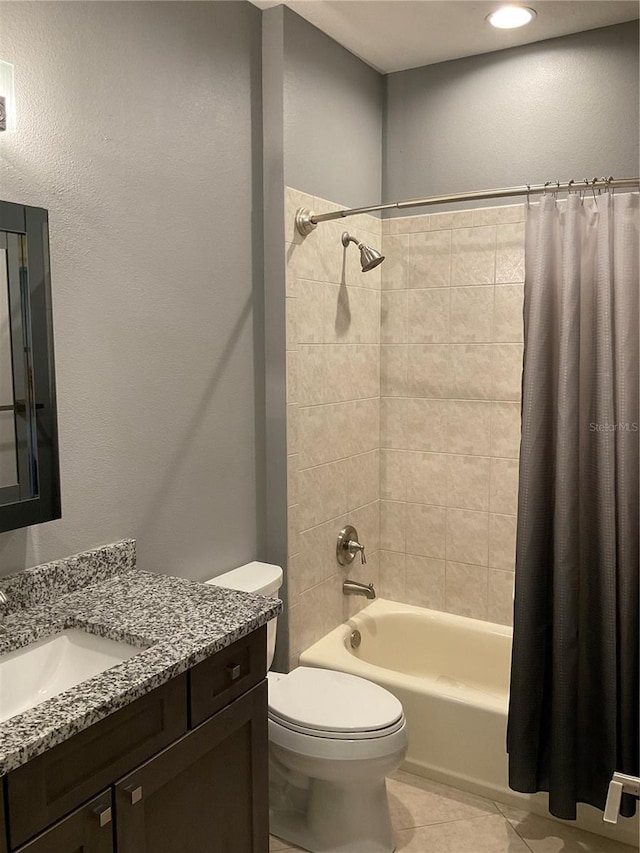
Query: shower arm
(307, 220)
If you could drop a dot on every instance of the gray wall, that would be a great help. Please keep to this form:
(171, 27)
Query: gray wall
(563, 108)
(139, 128)
(333, 106)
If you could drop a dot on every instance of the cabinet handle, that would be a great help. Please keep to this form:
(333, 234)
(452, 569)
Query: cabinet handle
(135, 792)
(234, 671)
(103, 815)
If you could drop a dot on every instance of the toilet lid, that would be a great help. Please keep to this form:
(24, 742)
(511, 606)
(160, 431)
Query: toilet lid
(323, 700)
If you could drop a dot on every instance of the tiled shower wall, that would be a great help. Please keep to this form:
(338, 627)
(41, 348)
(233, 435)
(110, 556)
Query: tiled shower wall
(333, 393)
(403, 415)
(451, 363)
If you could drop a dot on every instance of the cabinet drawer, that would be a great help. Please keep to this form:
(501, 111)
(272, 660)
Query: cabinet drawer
(56, 782)
(87, 830)
(227, 674)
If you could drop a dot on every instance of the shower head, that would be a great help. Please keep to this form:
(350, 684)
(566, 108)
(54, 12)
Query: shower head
(369, 258)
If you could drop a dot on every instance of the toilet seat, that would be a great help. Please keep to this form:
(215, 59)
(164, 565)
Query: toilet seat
(333, 705)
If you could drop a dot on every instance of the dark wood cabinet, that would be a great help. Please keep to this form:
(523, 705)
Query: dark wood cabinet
(183, 769)
(87, 830)
(206, 793)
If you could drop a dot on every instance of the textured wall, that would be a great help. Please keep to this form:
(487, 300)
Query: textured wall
(332, 118)
(139, 128)
(563, 108)
(333, 390)
(450, 371)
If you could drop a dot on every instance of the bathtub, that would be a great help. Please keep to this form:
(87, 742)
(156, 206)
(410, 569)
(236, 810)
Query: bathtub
(451, 674)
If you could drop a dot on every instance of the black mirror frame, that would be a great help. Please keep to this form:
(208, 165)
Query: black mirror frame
(46, 506)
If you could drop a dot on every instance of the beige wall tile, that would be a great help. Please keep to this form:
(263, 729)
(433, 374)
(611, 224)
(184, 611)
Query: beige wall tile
(507, 371)
(393, 474)
(428, 370)
(393, 317)
(426, 478)
(471, 314)
(362, 479)
(498, 215)
(426, 530)
(393, 525)
(468, 482)
(451, 219)
(508, 325)
(425, 582)
(505, 429)
(504, 486)
(473, 255)
(369, 573)
(322, 494)
(395, 249)
(304, 258)
(293, 435)
(502, 541)
(392, 575)
(359, 422)
(426, 425)
(291, 319)
(351, 315)
(500, 597)
(466, 590)
(429, 260)
(407, 224)
(468, 427)
(316, 560)
(428, 316)
(316, 612)
(393, 370)
(309, 327)
(366, 519)
(292, 479)
(314, 368)
(292, 376)
(470, 376)
(467, 536)
(393, 422)
(510, 252)
(290, 271)
(293, 530)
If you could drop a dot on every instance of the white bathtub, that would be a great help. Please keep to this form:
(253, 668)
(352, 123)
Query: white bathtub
(451, 674)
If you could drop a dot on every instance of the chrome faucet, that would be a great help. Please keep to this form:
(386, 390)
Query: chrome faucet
(357, 588)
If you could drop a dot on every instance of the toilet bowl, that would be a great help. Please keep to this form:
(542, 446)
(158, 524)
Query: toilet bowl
(333, 738)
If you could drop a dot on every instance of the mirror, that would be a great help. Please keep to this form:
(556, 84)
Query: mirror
(29, 468)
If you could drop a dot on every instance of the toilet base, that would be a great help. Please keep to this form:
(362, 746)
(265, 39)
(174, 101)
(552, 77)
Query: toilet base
(328, 817)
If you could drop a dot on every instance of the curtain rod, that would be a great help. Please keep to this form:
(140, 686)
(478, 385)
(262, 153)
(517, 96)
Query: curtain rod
(307, 220)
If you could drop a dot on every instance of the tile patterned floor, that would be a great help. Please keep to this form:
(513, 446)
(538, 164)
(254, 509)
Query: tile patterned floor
(433, 818)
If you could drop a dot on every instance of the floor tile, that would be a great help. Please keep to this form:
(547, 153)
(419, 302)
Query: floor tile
(549, 836)
(490, 834)
(278, 844)
(414, 801)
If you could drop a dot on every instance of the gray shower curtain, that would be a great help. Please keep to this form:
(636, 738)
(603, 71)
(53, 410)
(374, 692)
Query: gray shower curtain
(573, 713)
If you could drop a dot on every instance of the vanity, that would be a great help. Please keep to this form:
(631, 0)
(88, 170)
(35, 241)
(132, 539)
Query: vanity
(165, 752)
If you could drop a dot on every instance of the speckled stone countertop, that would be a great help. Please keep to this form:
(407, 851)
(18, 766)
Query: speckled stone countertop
(175, 622)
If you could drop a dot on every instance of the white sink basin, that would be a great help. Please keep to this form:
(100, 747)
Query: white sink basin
(32, 674)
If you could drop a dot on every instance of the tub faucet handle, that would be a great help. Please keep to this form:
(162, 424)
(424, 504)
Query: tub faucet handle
(354, 547)
(348, 546)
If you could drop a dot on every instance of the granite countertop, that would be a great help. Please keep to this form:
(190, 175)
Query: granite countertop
(175, 622)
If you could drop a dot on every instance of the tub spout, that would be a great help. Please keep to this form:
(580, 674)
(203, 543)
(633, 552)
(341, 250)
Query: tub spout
(356, 588)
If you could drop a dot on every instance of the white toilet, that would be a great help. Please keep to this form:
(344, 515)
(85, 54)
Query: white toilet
(333, 738)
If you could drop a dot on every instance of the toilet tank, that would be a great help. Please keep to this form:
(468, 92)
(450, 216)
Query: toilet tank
(260, 579)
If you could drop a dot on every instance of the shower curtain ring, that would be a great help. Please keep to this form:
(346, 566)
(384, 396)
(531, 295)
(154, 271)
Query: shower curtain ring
(593, 190)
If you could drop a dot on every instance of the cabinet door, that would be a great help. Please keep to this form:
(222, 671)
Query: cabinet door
(207, 793)
(87, 830)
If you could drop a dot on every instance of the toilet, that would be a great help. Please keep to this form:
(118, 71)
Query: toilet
(333, 738)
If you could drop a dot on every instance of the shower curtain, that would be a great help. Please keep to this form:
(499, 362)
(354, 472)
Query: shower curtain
(573, 714)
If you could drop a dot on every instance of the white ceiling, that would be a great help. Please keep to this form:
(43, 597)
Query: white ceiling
(392, 35)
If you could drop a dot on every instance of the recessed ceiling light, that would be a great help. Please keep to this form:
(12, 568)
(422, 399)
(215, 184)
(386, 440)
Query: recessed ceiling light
(510, 17)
